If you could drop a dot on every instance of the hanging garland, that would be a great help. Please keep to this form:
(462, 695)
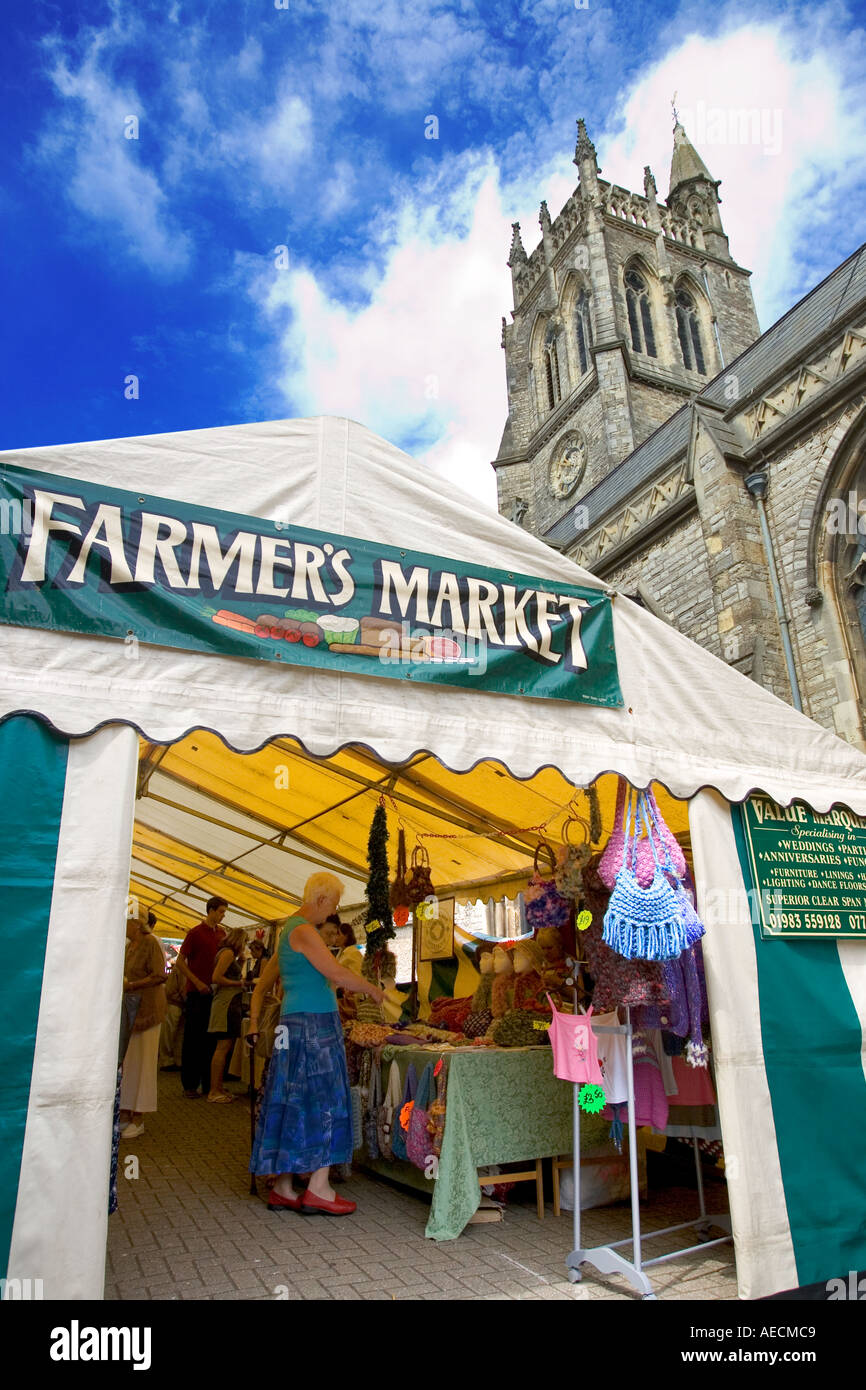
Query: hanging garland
(378, 922)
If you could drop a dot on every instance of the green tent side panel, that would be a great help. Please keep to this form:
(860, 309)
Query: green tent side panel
(32, 782)
(812, 1042)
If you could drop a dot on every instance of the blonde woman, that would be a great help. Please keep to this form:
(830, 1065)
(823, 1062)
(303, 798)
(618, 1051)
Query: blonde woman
(225, 1010)
(305, 1122)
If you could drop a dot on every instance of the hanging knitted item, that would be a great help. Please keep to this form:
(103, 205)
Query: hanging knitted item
(399, 891)
(571, 862)
(595, 823)
(614, 851)
(544, 904)
(419, 884)
(694, 927)
(643, 923)
(669, 848)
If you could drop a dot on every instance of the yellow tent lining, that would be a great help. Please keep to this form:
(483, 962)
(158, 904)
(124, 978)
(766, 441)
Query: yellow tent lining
(253, 827)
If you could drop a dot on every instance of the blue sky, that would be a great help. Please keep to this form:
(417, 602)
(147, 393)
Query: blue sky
(304, 127)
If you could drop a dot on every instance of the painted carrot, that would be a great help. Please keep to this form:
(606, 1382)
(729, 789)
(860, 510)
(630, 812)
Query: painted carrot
(226, 618)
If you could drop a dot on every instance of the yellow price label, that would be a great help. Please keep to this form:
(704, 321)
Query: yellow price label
(584, 920)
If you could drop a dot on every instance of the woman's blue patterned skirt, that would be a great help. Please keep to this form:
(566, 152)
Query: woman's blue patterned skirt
(305, 1121)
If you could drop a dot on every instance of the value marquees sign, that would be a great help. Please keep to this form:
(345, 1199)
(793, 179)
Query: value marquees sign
(77, 557)
(809, 871)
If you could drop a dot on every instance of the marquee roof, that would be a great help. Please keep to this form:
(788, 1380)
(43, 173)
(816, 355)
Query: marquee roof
(688, 720)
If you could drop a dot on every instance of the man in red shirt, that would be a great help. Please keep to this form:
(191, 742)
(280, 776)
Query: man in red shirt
(195, 963)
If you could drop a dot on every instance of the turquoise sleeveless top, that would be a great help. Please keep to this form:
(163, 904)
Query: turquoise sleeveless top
(305, 990)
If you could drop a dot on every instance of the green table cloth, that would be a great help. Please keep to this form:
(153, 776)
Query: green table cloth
(502, 1106)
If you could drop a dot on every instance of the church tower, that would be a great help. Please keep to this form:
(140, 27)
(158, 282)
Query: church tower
(622, 313)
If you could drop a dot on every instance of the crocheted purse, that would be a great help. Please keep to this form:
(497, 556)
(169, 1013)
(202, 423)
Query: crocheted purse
(644, 923)
(545, 905)
(613, 854)
(613, 858)
(667, 842)
(572, 861)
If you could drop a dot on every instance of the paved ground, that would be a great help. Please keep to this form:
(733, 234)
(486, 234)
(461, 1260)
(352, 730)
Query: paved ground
(188, 1228)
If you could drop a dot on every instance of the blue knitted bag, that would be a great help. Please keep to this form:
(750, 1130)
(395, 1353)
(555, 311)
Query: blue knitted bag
(695, 928)
(643, 923)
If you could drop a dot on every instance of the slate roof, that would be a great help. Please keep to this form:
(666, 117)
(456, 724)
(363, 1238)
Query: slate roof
(789, 340)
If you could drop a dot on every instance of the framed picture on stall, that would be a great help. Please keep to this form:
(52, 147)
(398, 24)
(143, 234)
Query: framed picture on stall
(436, 932)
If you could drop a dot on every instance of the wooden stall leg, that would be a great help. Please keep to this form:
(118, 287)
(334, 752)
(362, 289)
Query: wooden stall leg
(539, 1188)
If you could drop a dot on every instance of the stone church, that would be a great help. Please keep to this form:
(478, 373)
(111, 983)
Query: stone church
(654, 435)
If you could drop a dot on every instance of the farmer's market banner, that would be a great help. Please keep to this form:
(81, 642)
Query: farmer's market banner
(808, 870)
(75, 557)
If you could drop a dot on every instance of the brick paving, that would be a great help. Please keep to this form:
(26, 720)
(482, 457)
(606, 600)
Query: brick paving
(188, 1228)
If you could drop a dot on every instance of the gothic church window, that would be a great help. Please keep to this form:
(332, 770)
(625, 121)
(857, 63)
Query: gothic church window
(689, 333)
(639, 314)
(533, 398)
(552, 369)
(583, 331)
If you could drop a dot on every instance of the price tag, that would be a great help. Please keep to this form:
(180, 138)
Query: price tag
(540, 1025)
(584, 920)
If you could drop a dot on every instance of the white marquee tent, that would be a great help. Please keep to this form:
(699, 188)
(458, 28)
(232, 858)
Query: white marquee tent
(708, 734)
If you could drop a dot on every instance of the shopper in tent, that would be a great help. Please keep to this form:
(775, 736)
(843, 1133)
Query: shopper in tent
(257, 962)
(195, 963)
(305, 1123)
(144, 975)
(171, 1037)
(225, 1009)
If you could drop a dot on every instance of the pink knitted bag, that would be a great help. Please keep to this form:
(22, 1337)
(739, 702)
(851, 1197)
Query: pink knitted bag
(614, 853)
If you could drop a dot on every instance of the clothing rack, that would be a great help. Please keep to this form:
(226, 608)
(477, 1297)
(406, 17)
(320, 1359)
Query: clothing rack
(606, 1258)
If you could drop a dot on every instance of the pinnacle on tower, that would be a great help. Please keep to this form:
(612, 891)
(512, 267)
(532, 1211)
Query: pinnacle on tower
(686, 163)
(517, 253)
(544, 217)
(584, 149)
(649, 184)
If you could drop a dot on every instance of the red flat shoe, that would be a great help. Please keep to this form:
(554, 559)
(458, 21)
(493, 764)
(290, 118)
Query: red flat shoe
(311, 1205)
(278, 1203)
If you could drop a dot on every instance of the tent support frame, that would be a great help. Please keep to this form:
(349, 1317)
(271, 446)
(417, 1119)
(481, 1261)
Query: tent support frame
(606, 1258)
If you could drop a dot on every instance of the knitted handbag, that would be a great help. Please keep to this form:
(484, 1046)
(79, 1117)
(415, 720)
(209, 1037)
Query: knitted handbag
(399, 892)
(644, 923)
(403, 1114)
(418, 1147)
(545, 905)
(357, 1122)
(694, 927)
(388, 1112)
(612, 857)
(371, 1114)
(477, 1022)
(571, 862)
(420, 885)
(436, 1124)
(675, 861)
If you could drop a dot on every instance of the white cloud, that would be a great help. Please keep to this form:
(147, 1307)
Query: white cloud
(86, 142)
(806, 140)
(419, 361)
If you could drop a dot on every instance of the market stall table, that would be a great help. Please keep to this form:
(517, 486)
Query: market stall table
(504, 1105)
